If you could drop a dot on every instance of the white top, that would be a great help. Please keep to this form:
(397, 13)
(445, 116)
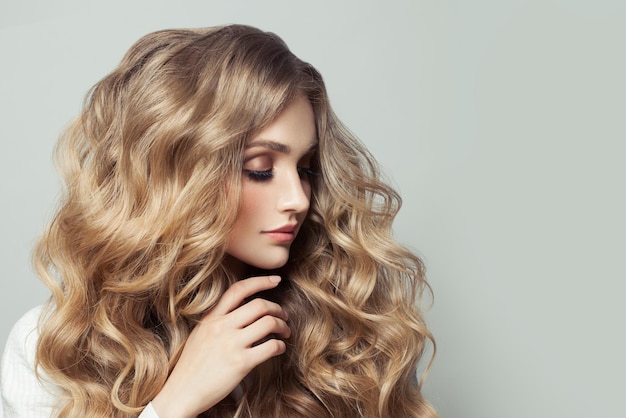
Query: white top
(23, 395)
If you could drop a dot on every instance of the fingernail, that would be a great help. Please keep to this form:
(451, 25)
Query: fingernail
(274, 279)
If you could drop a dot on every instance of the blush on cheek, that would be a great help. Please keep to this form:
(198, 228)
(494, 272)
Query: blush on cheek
(253, 197)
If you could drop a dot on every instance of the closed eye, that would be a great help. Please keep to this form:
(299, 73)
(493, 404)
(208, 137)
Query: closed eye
(305, 171)
(255, 175)
(266, 175)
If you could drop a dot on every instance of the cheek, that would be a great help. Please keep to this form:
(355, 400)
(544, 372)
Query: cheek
(252, 198)
(254, 201)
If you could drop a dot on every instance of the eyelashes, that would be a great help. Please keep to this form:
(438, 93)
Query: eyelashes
(305, 171)
(259, 175)
(266, 175)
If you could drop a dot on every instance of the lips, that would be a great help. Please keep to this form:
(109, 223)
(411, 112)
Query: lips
(285, 233)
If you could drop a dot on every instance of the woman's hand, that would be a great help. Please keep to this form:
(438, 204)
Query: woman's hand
(219, 352)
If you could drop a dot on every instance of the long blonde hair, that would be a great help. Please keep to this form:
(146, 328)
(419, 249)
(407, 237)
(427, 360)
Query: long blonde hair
(134, 256)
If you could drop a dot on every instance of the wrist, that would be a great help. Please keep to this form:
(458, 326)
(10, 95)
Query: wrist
(170, 407)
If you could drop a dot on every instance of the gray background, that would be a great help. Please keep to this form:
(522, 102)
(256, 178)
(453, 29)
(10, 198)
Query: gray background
(500, 122)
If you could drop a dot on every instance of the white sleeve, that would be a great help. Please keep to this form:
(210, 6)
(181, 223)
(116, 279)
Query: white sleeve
(23, 395)
(148, 412)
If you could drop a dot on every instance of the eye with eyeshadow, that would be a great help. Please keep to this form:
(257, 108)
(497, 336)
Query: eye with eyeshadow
(255, 168)
(259, 168)
(255, 175)
(307, 172)
(265, 175)
(306, 165)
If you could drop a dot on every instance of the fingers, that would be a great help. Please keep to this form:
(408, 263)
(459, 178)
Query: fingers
(258, 319)
(255, 320)
(268, 349)
(263, 328)
(255, 309)
(230, 340)
(238, 292)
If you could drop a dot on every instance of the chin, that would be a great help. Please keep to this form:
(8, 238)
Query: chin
(261, 260)
(269, 265)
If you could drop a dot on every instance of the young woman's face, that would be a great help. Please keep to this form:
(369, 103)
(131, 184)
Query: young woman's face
(276, 189)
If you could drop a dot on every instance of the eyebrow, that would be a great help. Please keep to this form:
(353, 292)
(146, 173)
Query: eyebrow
(276, 146)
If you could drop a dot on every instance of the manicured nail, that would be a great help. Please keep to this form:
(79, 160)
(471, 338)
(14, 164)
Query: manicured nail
(274, 279)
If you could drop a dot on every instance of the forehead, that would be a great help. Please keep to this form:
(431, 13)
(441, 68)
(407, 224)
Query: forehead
(293, 130)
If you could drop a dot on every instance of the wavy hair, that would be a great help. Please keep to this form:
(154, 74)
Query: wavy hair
(134, 256)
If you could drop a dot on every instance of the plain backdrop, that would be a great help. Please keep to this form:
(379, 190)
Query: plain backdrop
(501, 122)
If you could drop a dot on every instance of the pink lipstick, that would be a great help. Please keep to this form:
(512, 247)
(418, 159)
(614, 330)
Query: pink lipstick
(285, 233)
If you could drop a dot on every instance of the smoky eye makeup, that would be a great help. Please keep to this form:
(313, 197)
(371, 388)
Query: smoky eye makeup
(308, 172)
(255, 175)
(258, 167)
(309, 164)
(258, 163)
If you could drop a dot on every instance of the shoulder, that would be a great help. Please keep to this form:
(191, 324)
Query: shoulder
(23, 392)
(22, 340)
(25, 333)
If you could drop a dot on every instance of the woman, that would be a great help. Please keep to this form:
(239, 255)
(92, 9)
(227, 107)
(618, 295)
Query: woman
(223, 249)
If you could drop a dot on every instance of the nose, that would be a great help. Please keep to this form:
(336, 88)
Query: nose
(295, 194)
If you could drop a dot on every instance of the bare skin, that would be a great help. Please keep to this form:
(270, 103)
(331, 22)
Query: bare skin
(220, 353)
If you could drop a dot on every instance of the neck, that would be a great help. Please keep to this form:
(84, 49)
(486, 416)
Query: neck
(237, 267)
